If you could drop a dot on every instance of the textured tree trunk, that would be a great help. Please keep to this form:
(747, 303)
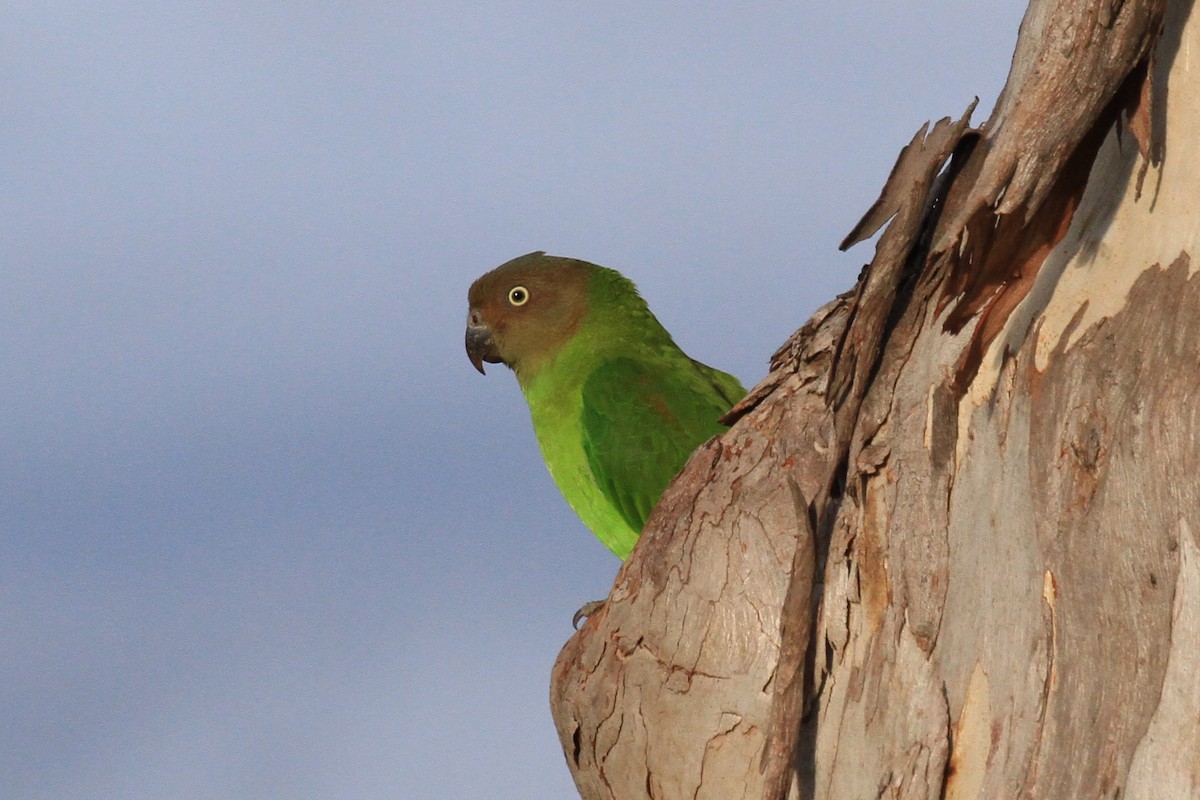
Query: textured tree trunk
(951, 545)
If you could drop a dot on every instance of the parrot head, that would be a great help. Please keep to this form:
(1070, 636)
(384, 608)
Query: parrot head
(522, 312)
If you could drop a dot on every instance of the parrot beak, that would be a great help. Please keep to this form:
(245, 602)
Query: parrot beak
(480, 345)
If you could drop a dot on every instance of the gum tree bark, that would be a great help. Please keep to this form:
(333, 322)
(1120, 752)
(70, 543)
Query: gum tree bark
(950, 546)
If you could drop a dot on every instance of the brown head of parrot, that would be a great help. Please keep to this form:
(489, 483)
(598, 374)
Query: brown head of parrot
(523, 312)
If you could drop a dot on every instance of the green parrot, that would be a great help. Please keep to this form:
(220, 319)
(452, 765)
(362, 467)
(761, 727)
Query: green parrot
(617, 407)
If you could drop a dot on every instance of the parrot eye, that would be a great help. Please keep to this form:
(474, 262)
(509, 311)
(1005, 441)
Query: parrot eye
(518, 295)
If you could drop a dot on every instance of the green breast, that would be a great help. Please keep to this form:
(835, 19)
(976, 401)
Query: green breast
(614, 430)
(555, 401)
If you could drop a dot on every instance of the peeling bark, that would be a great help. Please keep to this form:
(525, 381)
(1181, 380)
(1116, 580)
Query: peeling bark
(950, 546)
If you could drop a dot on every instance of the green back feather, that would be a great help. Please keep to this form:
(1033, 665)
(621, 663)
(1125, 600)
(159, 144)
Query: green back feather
(641, 422)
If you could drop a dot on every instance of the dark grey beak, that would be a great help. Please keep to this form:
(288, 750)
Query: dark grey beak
(480, 345)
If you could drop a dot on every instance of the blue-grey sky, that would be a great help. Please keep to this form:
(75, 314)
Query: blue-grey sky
(265, 533)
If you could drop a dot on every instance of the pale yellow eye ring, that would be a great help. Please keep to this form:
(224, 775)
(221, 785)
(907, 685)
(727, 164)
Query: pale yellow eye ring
(518, 295)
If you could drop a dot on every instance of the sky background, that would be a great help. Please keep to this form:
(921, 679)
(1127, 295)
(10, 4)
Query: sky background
(264, 532)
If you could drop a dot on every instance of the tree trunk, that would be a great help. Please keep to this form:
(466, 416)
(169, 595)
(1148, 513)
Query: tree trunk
(951, 545)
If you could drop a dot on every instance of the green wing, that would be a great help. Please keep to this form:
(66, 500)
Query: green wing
(641, 422)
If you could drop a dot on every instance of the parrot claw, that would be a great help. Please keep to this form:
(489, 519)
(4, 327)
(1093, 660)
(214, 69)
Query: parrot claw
(585, 611)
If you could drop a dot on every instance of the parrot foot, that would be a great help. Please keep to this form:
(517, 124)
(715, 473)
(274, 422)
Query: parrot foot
(585, 611)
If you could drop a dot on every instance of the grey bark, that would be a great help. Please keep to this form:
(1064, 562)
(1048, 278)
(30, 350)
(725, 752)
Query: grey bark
(950, 546)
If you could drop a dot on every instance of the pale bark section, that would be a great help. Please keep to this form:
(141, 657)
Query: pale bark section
(988, 456)
(1034, 562)
(1092, 273)
(1158, 770)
